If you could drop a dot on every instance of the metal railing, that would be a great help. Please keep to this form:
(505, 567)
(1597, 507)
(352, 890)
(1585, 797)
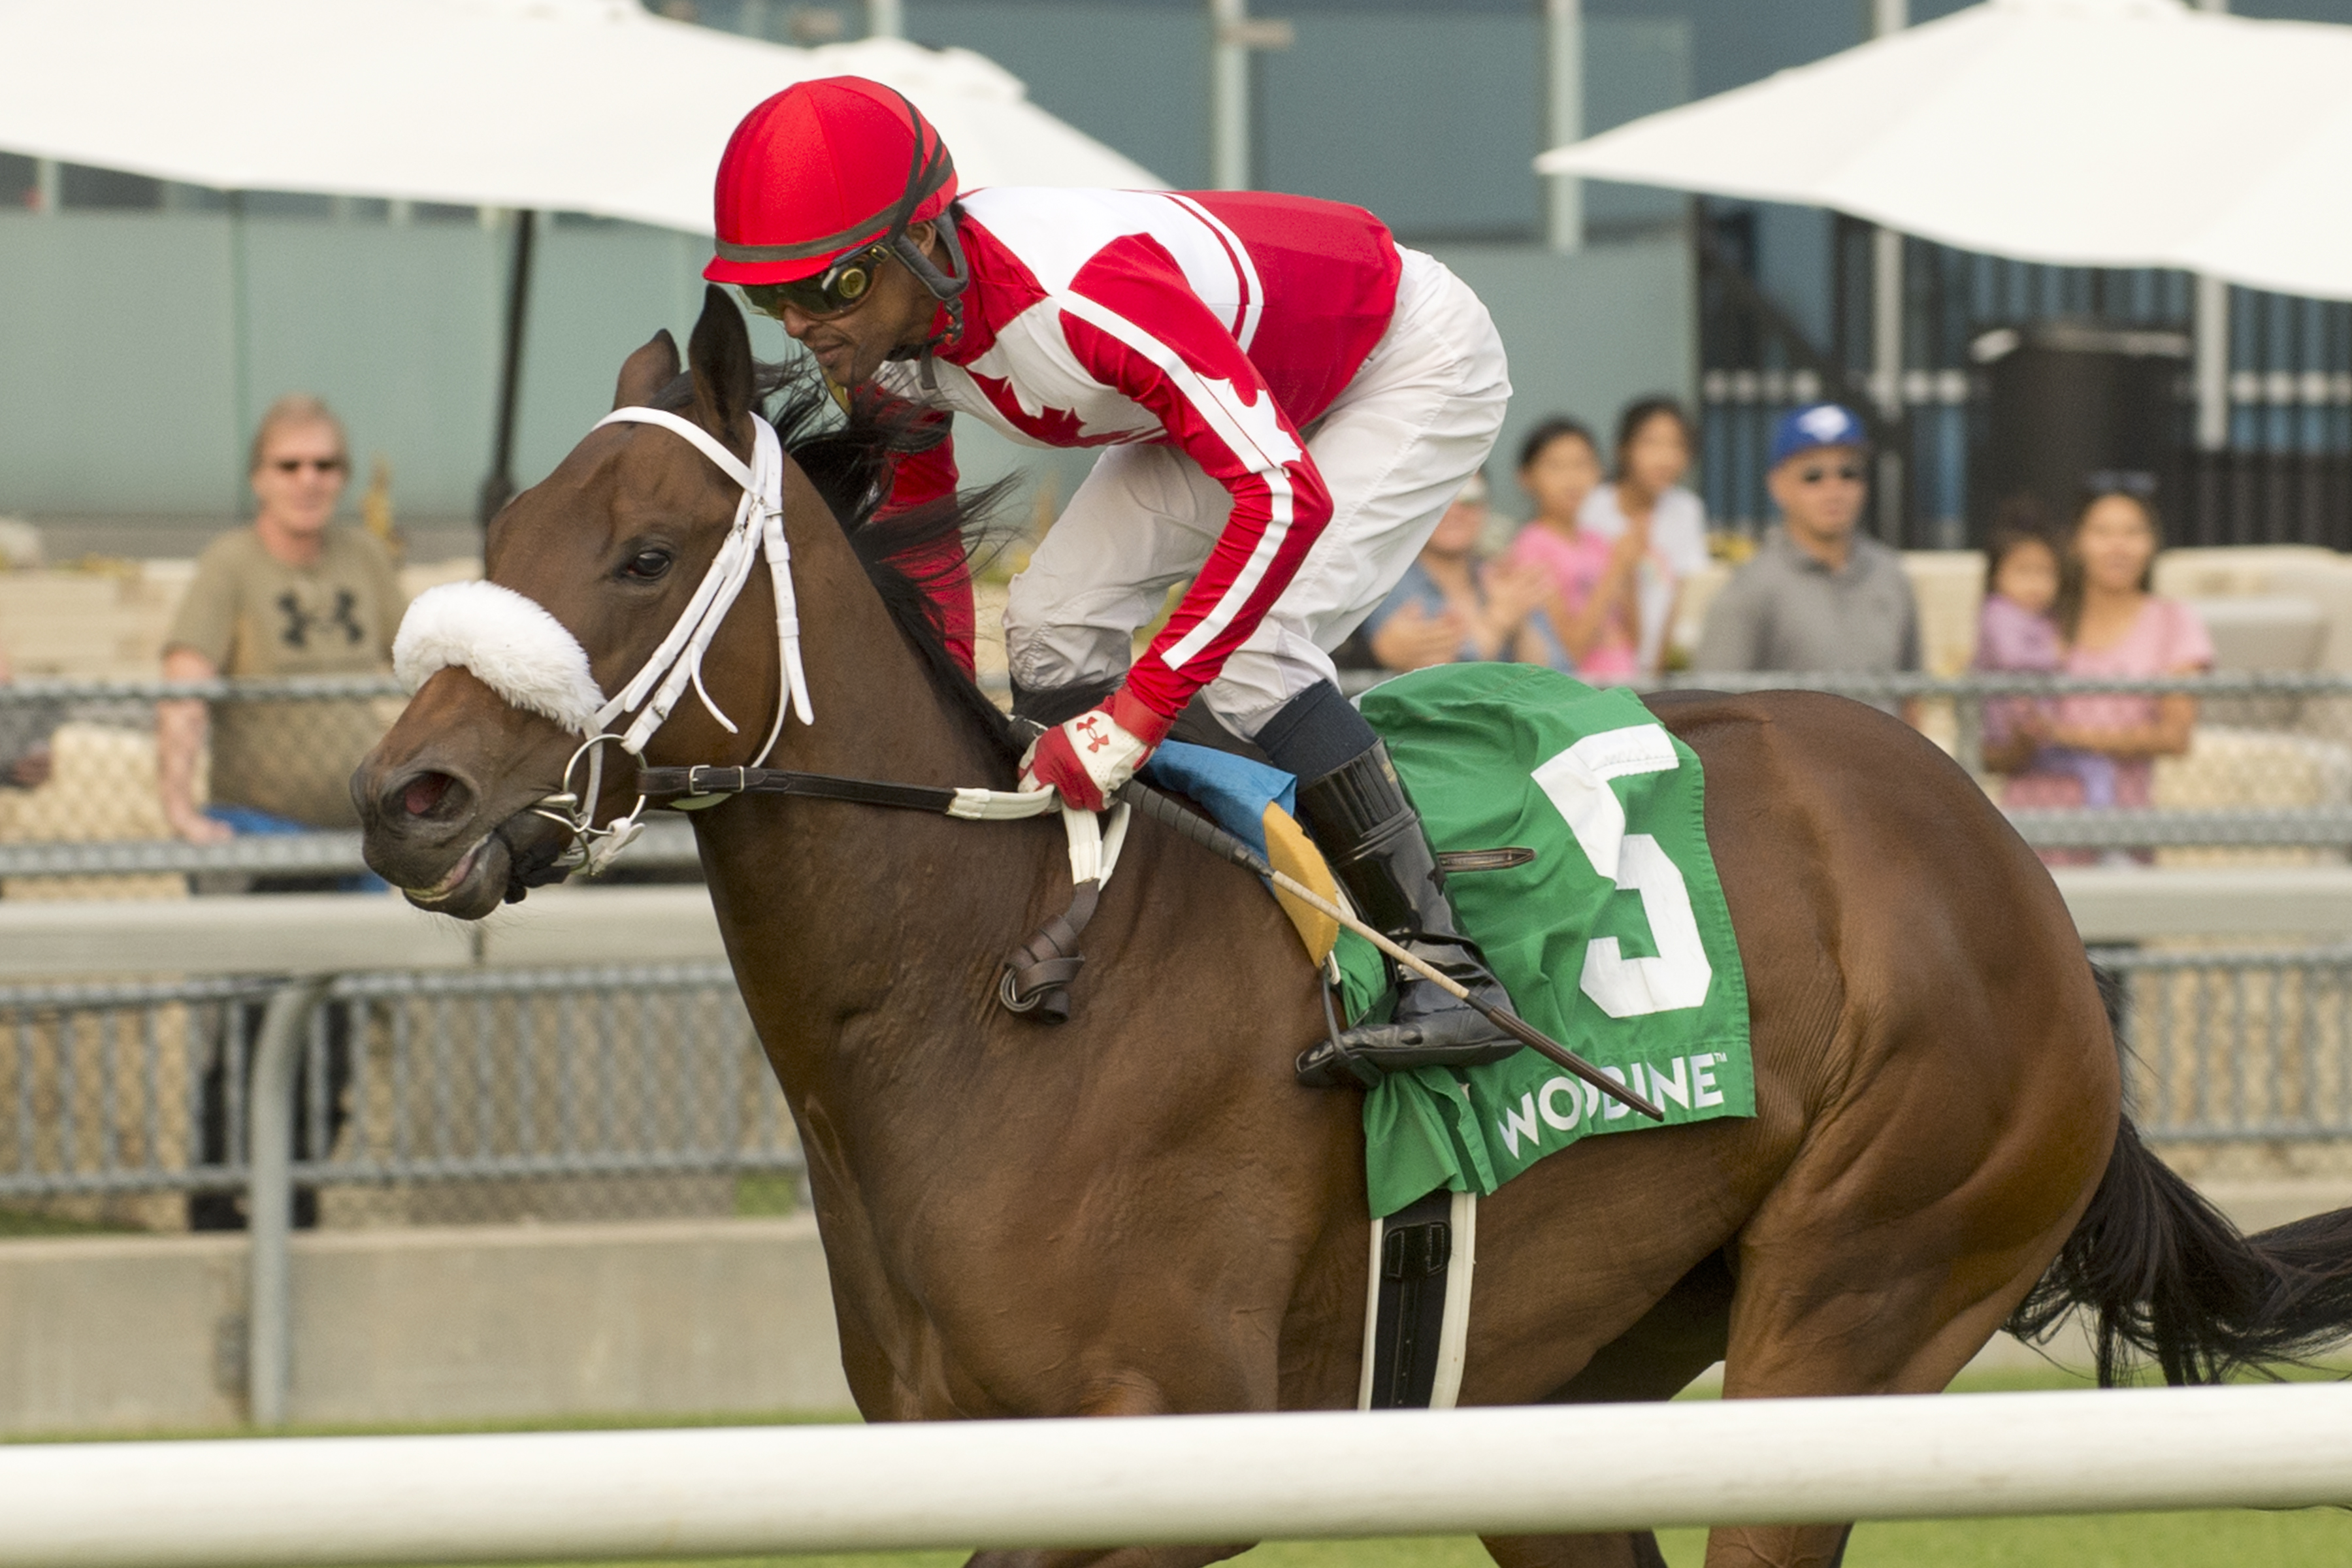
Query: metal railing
(486, 1095)
(2278, 469)
(2274, 769)
(514, 1082)
(2229, 1045)
(2270, 764)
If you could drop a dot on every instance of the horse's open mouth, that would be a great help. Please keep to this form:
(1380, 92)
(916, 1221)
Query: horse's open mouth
(471, 888)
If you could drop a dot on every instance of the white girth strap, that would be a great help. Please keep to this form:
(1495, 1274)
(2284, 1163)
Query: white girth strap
(759, 529)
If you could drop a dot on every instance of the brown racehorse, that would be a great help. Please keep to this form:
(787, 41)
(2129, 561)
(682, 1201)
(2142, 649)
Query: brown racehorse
(1140, 1211)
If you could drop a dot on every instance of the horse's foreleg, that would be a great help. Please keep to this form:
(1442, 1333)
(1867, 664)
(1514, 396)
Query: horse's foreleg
(1621, 1549)
(1675, 1341)
(1115, 1557)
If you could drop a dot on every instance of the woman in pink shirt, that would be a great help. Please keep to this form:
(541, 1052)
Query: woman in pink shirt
(2113, 625)
(1593, 605)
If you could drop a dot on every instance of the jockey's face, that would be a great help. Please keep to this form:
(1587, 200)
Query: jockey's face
(896, 313)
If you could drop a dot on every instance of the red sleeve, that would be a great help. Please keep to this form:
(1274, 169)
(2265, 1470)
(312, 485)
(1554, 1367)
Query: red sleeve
(942, 568)
(1136, 326)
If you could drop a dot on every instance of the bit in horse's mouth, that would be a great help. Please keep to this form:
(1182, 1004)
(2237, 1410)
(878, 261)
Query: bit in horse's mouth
(451, 882)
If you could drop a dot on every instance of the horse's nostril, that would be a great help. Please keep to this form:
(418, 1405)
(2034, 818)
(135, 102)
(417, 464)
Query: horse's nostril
(424, 793)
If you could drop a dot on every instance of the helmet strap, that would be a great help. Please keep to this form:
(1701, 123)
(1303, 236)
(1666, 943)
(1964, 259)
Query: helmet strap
(947, 286)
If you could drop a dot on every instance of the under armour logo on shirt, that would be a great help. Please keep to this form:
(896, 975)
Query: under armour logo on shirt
(300, 622)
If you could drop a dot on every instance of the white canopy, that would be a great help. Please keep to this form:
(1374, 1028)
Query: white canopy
(586, 105)
(2084, 132)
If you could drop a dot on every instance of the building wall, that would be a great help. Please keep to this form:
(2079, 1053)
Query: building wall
(136, 349)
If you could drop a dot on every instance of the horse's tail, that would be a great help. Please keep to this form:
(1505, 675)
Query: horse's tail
(2167, 1276)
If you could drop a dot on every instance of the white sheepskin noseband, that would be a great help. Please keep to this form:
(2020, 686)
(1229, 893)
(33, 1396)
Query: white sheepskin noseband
(509, 643)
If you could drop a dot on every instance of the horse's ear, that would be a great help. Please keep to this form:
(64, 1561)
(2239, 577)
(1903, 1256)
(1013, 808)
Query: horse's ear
(719, 355)
(647, 371)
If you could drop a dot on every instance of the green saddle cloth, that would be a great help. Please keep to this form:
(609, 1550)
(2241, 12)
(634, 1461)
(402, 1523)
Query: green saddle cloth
(1614, 940)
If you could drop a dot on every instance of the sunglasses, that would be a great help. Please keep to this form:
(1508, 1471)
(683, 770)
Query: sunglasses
(296, 465)
(1850, 473)
(831, 293)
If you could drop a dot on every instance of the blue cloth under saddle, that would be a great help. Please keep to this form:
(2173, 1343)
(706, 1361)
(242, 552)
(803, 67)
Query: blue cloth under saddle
(1234, 790)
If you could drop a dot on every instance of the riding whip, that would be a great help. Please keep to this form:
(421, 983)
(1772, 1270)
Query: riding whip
(1165, 809)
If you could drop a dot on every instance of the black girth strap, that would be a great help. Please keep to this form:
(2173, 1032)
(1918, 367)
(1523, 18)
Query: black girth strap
(1416, 1250)
(701, 780)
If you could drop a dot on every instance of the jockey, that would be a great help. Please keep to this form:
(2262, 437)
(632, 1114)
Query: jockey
(1286, 401)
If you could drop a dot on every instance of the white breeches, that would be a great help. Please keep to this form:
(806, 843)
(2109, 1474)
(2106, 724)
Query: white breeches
(1394, 450)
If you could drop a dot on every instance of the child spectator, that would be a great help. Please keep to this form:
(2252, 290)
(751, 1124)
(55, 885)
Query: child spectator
(2111, 625)
(1591, 605)
(1447, 608)
(2016, 633)
(1655, 442)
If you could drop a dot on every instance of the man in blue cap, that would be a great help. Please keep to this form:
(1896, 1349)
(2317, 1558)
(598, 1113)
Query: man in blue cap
(1819, 594)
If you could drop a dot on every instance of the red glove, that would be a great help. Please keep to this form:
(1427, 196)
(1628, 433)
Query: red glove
(1088, 757)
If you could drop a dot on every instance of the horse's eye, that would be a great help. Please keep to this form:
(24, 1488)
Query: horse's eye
(647, 564)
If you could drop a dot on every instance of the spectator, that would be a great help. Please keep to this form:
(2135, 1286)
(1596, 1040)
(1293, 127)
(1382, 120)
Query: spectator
(1591, 607)
(1448, 607)
(2113, 625)
(2017, 632)
(289, 595)
(1818, 596)
(1654, 441)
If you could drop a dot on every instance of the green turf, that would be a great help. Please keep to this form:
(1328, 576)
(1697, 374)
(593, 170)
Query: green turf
(27, 1222)
(767, 1193)
(2308, 1538)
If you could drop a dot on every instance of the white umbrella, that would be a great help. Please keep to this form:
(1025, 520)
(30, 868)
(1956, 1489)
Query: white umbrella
(2080, 132)
(586, 105)
(589, 106)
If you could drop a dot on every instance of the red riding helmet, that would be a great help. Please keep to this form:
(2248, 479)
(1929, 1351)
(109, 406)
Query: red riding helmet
(821, 170)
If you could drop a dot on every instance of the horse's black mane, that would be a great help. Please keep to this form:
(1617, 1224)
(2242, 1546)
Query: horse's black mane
(847, 456)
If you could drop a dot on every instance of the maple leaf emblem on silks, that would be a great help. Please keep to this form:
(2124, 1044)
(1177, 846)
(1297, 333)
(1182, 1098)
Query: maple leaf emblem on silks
(1260, 420)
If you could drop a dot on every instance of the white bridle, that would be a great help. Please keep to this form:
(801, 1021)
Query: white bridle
(512, 645)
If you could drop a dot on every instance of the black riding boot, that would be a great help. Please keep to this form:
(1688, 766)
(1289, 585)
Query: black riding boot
(1359, 816)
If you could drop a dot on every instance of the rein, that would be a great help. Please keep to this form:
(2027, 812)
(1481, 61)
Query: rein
(533, 662)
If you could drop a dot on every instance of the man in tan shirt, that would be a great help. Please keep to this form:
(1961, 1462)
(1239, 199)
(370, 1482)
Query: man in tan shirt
(290, 595)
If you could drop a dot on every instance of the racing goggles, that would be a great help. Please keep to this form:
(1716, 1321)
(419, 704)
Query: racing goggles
(833, 292)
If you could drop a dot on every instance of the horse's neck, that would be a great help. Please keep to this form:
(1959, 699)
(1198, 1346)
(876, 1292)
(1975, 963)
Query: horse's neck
(852, 923)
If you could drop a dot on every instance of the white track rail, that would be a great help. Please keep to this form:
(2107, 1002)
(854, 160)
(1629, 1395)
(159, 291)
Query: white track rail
(1245, 1478)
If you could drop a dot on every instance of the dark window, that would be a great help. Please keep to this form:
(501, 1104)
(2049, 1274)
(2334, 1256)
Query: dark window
(19, 181)
(107, 190)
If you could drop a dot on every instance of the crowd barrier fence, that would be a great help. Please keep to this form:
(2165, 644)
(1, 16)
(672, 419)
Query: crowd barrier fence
(640, 1091)
(2270, 770)
(460, 1095)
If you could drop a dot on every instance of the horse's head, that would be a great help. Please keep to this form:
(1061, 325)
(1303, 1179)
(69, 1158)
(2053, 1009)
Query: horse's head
(605, 555)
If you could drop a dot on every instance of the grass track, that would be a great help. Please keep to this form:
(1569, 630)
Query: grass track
(2308, 1538)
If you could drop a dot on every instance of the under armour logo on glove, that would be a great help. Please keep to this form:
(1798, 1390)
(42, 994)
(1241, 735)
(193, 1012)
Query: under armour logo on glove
(1088, 757)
